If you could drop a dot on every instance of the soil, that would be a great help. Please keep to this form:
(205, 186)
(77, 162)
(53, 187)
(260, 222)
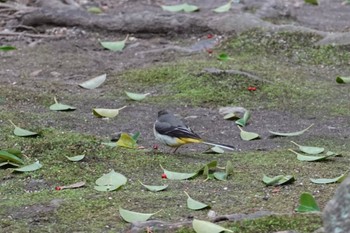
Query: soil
(42, 68)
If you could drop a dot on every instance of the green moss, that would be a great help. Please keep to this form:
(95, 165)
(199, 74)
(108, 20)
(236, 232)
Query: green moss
(305, 223)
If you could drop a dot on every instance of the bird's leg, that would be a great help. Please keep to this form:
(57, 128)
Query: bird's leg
(176, 149)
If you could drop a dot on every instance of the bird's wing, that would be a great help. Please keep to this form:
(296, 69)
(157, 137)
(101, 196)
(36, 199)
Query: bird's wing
(165, 128)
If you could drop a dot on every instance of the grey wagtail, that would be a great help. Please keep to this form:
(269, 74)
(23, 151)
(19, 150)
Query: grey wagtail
(173, 132)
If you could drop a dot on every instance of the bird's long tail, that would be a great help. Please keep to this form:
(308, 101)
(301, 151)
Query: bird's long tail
(228, 147)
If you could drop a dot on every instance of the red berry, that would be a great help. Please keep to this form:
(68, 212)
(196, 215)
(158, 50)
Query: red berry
(155, 147)
(250, 89)
(209, 50)
(253, 88)
(209, 36)
(58, 188)
(164, 176)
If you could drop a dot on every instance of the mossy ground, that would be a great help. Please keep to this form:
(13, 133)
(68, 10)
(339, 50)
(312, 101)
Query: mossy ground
(301, 87)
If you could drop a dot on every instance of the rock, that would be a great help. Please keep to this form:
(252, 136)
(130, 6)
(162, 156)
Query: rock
(336, 214)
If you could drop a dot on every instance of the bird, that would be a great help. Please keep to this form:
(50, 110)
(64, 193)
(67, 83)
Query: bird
(172, 132)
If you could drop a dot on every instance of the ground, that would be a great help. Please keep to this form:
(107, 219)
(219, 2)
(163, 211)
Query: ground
(295, 88)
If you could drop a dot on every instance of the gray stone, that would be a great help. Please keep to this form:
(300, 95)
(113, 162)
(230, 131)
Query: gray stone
(336, 214)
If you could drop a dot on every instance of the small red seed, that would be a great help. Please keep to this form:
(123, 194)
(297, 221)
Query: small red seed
(58, 188)
(209, 50)
(155, 147)
(253, 88)
(209, 36)
(249, 88)
(164, 176)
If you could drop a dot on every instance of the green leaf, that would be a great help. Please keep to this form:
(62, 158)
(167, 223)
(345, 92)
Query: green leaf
(223, 8)
(131, 216)
(154, 188)
(223, 57)
(206, 172)
(22, 132)
(94, 82)
(311, 150)
(331, 153)
(111, 144)
(94, 10)
(214, 150)
(190, 8)
(307, 203)
(220, 175)
(61, 107)
(243, 121)
(181, 7)
(8, 163)
(136, 96)
(342, 80)
(7, 48)
(229, 168)
(114, 46)
(247, 136)
(194, 204)
(200, 226)
(278, 180)
(211, 164)
(338, 179)
(291, 134)
(308, 158)
(110, 181)
(312, 2)
(231, 116)
(29, 168)
(127, 141)
(75, 158)
(178, 175)
(136, 136)
(105, 112)
(6, 156)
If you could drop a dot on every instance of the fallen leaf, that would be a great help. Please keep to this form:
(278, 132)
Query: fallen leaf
(7, 48)
(338, 179)
(131, 216)
(178, 175)
(309, 158)
(75, 158)
(200, 226)
(126, 141)
(94, 10)
(73, 186)
(61, 107)
(107, 113)
(6, 156)
(114, 46)
(247, 136)
(154, 188)
(231, 116)
(278, 180)
(194, 204)
(291, 134)
(94, 82)
(312, 2)
(307, 203)
(311, 150)
(22, 132)
(181, 7)
(214, 150)
(29, 168)
(136, 96)
(342, 80)
(110, 181)
(243, 121)
(223, 8)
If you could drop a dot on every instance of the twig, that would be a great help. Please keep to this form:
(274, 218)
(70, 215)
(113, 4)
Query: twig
(216, 71)
(29, 35)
